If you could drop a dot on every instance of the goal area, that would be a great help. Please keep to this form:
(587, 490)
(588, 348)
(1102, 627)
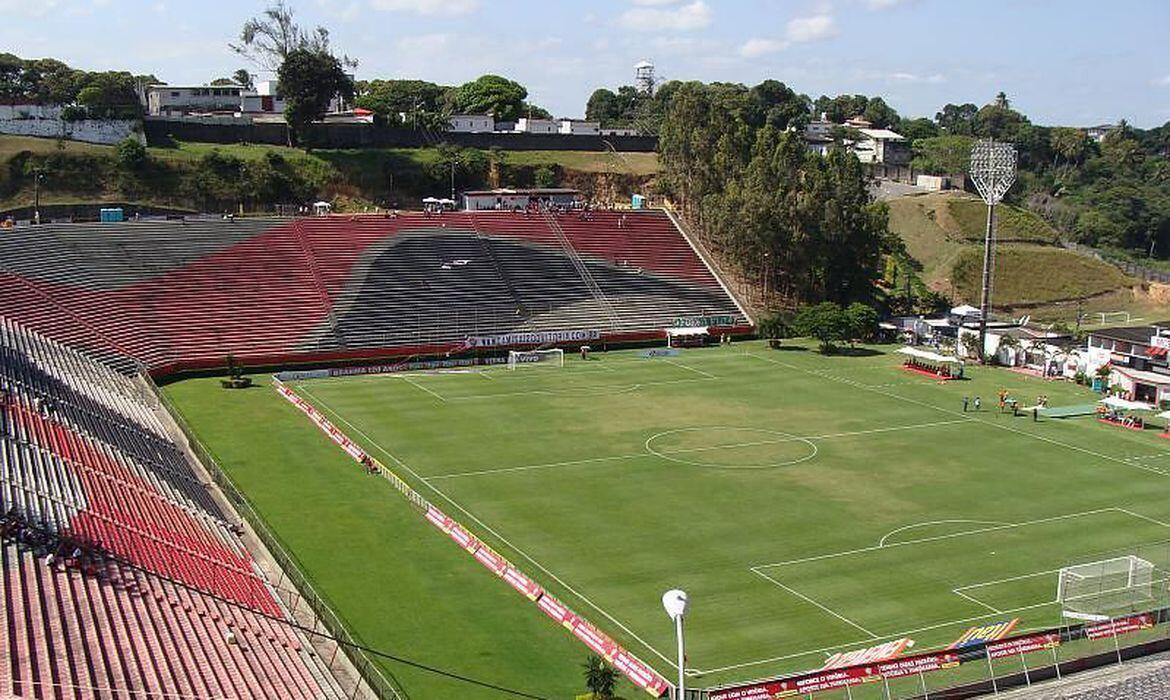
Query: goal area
(1103, 588)
(547, 358)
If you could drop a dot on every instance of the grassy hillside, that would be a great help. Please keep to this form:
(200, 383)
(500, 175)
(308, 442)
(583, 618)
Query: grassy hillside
(944, 233)
(220, 177)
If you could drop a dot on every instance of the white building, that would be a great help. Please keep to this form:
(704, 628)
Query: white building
(619, 131)
(471, 123)
(265, 98)
(524, 125)
(174, 100)
(580, 127)
(1099, 132)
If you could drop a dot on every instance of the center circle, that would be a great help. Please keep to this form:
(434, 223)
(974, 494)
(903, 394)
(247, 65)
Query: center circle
(723, 447)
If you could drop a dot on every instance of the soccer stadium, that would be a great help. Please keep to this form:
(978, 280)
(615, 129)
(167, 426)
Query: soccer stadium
(323, 381)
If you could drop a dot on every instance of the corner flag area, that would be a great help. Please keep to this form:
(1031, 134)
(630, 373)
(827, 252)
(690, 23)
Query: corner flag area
(808, 504)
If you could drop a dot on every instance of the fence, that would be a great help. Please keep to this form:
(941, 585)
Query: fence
(300, 590)
(161, 131)
(1146, 274)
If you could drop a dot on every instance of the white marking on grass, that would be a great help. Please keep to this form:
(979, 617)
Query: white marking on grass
(416, 385)
(700, 372)
(936, 538)
(895, 635)
(667, 454)
(1143, 517)
(575, 462)
(574, 392)
(500, 538)
(810, 601)
(928, 523)
(976, 601)
(1035, 436)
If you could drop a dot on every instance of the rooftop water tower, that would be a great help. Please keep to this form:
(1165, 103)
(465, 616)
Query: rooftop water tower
(644, 78)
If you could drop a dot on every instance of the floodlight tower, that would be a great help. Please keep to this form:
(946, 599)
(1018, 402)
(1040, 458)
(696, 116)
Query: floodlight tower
(993, 169)
(644, 78)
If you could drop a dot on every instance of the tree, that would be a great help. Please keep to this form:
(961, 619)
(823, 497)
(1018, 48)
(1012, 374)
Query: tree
(957, 119)
(600, 678)
(309, 80)
(915, 129)
(243, 77)
(130, 153)
(604, 106)
(494, 95)
(268, 40)
(943, 155)
(862, 321)
(224, 81)
(826, 322)
(880, 114)
(1069, 144)
(776, 104)
(419, 100)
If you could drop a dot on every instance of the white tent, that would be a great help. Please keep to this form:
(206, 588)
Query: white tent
(930, 356)
(966, 310)
(1125, 405)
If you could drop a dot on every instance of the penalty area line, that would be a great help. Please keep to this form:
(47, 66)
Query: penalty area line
(810, 601)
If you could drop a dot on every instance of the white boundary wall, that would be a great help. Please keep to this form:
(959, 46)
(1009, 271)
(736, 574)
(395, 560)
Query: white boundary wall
(99, 131)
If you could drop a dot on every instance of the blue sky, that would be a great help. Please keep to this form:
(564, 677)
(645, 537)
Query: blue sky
(1060, 61)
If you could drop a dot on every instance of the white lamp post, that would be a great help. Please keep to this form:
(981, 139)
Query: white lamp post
(675, 601)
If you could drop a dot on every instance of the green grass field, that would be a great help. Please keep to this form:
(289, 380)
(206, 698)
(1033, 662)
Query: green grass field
(807, 503)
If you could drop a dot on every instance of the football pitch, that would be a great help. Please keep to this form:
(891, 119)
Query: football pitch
(808, 504)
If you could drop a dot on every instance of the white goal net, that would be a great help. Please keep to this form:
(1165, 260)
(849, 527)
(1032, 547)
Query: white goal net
(548, 358)
(1101, 588)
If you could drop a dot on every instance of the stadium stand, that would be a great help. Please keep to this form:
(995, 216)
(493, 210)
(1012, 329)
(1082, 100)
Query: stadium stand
(121, 576)
(184, 295)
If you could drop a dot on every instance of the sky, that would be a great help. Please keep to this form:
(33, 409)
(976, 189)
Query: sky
(1067, 62)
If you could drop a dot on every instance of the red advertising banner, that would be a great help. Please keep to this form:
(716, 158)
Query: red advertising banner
(556, 610)
(437, 518)
(463, 538)
(526, 586)
(1023, 645)
(596, 640)
(839, 678)
(871, 655)
(639, 673)
(1120, 626)
(494, 562)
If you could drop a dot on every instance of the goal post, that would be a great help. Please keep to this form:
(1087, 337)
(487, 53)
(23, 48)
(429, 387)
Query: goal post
(554, 357)
(1120, 584)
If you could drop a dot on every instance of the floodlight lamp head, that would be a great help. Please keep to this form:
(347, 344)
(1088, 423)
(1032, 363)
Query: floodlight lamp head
(675, 602)
(993, 169)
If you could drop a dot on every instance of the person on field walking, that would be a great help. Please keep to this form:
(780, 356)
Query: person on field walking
(965, 402)
(978, 403)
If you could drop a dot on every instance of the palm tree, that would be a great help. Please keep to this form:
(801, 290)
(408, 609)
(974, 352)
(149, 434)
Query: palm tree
(600, 677)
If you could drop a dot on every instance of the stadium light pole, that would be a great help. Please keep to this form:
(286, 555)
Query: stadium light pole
(993, 169)
(676, 602)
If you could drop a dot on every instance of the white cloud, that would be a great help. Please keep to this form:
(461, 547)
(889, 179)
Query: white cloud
(799, 30)
(760, 47)
(886, 4)
(654, 3)
(659, 16)
(900, 77)
(1164, 81)
(425, 43)
(427, 7)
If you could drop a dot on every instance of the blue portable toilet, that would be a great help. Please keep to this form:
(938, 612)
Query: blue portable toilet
(637, 201)
(112, 215)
